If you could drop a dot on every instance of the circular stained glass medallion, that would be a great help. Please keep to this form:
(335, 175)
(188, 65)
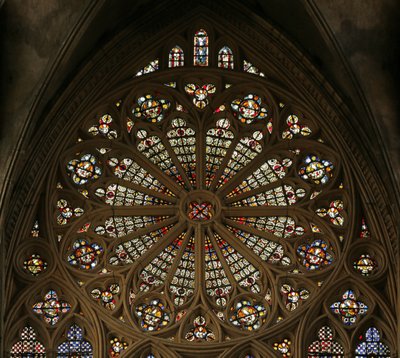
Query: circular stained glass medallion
(196, 207)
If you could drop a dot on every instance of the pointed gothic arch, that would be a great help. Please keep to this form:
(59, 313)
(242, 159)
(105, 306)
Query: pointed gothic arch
(285, 91)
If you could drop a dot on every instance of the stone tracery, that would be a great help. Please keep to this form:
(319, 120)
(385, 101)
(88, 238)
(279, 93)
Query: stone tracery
(200, 203)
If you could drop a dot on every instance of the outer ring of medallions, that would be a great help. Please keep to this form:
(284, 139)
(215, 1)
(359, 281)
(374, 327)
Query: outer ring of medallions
(199, 196)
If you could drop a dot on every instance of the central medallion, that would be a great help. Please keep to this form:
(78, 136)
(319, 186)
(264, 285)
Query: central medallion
(200, 206)
(200, 211)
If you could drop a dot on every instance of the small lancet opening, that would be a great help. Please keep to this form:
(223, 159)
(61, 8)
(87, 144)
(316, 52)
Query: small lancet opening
(225, 58)
(176, 57)
(200, 50)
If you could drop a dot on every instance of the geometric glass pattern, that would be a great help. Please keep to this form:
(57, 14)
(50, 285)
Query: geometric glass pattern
(28, 346)
(349, 308)
(75, 345)
(51, 308)
(201, 94)
(249, 108)
(225, 58)
(371, 345)
(248, 315)
(152, 316)
(200, 332)
(325, 346)
(295, 128)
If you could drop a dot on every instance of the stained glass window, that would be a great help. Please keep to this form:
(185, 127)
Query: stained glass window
(225, 58)
(51, 308)
(200, 49)
(150, 67)
(188, 201)
(75, 344)
(250, 68)
(28, 346)
(197, 209)
(325, 346)
(176, 57)
(372, 346)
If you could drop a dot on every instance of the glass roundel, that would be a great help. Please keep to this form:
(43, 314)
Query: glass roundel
(206, 211)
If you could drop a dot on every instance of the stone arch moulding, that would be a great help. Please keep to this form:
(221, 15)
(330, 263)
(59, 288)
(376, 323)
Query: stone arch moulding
(282, 120)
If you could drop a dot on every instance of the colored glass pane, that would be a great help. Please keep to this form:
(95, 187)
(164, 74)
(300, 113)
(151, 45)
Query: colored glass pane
(35, 229)
(294, 128)
(176, 57)
(349, 308)
(28, 345)
(200, 211)
(315, 255)
(200, 49)
(152, 316)
(104, 127)
(67, 212)
(325, 346)
(200, 332)
(267, 250)
(182, 283)
(117, 347)
(75, 345)
(249, 108)
(243, 271)
(292, 297)
(269, 172)
(106, 297)
(365, 265)
(201, 94)
(250, 68)
(129, 170)
(35, 265)
(280, 226)
(217, 283)
(155, 272)
(248, 315)
(151, 109)
(225, 58)
(218, 140)
(245, 151)
(84, 169)
(371, 346)
(51, 308)
(153, 148)
(131, 250)
(334, 212)
(283, 347)
(85, 255)
(279, 196)
(150, 67)
(119, 226)
(316, 170)
(182, 139)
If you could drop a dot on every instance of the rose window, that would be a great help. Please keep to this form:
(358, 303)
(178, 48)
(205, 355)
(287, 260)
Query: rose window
(200, 205)
(202, 201)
